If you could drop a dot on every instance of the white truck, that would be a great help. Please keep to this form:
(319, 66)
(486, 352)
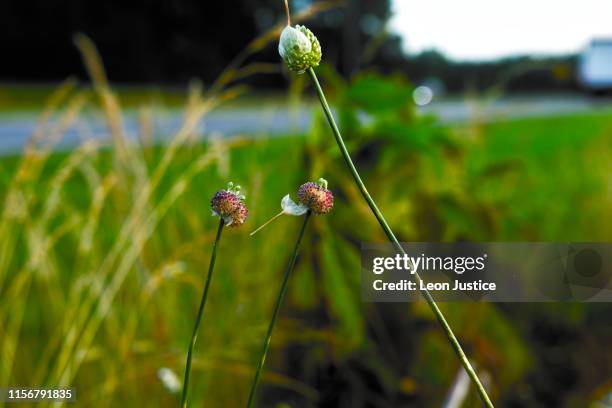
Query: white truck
(595, 66)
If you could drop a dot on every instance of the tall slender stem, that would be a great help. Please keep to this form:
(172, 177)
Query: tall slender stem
(277, 306)
(287, 12)
(383, 223)
(200, 315)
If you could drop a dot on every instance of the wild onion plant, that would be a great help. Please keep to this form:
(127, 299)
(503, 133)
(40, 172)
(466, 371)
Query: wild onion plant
(301, 51)
(229, 206)
(313, 198)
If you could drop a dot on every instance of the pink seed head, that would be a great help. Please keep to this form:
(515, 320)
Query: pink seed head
(240, 215)
(229, 205)
(316, 197)
(225, 203)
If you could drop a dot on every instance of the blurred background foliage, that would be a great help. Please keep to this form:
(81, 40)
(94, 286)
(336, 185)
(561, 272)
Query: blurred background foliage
(164, 43)
(103, 248)
(103, 252)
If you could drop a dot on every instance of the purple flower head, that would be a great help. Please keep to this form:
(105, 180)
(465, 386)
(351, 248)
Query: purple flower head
(229, 205)
(316, 196)
(240, 215)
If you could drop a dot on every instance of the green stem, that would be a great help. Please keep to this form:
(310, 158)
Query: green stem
(279, 301)
(194, 336)
(383, 223)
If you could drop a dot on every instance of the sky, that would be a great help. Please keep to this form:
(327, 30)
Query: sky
(489, 29)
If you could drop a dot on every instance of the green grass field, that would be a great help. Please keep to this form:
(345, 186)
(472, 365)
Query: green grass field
(103, 254)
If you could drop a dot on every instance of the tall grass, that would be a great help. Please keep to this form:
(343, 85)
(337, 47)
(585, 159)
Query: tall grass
(95, 242)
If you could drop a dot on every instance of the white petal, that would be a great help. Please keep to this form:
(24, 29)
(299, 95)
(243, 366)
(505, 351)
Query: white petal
(290, 207)
(169, 379)
(290, 38)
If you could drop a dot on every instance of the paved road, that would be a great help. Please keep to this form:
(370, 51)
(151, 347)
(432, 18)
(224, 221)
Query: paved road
(15, 128)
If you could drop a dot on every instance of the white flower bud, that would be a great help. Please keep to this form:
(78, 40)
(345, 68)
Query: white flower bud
(299, 48)
(291, 41)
